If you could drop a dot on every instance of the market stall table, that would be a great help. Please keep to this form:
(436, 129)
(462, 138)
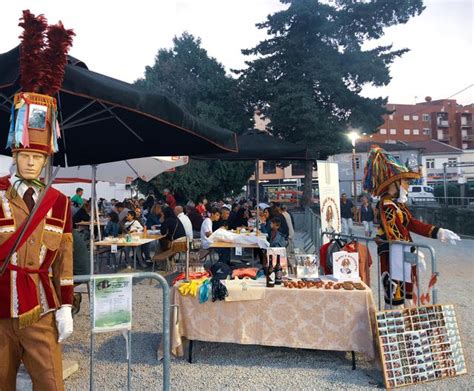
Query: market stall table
(134, 244)
(322, 319)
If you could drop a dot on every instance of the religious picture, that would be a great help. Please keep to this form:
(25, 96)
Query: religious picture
(346, 266)
(307, 266)
(37, 116)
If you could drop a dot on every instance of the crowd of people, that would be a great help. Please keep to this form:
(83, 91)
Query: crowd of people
(366, 214)
(194, 220)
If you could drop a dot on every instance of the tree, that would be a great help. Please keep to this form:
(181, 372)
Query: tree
(199, 84)
(308, 76)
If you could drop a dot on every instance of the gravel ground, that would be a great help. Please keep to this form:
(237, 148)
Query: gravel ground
(229, 366)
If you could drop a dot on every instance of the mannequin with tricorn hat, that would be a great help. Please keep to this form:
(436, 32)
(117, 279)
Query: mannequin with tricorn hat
(385, 177)
(36, 287)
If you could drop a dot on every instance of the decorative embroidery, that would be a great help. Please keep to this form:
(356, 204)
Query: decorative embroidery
(42, 254)
(44, 302)
(6, 205)
(67, 281)
(52, 228)
(15, 304)
(10, 228)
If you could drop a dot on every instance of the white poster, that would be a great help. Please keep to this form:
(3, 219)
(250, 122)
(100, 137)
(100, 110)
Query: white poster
(397, 258)
(345, 266)
(112, 303)
(329, 201)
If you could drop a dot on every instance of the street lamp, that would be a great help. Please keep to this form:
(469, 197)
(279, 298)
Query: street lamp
(353, 136)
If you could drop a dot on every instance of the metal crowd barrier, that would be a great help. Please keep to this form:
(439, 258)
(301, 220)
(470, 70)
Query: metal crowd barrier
(410, 258)
(313, 228)
(165, 333)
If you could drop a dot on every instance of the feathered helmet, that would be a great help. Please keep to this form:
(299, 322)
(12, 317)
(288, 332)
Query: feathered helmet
(43, 57)
(382, 169)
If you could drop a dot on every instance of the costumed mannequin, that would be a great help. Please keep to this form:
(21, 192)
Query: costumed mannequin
(387, 178)
(36, 289)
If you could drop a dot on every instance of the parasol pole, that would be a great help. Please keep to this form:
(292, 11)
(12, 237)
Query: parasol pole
(91, 225)
(257, 193)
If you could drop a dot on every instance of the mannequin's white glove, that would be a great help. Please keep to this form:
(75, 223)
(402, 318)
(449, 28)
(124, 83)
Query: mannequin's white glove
(421, 262)
(64, 322)
(445, 234)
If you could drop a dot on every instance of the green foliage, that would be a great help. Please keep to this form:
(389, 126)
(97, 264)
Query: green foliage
(452, 190)
(199, 84)
(309, 73)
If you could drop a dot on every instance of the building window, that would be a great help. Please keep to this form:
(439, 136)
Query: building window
(430, 163)
(297, 168)
(415, 118)
(383, 131)
(390, 117)
(269, 167)
(416, 132)
(357, 162)
(452, 161)
(406, 131)
(406, 117)
(426, 131)
(393, 131)
(426, 117)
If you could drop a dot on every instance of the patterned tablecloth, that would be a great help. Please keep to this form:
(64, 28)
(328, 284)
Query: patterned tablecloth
(299, 318)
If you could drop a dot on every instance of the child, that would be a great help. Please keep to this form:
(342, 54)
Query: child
(276, 238)
(132, 224)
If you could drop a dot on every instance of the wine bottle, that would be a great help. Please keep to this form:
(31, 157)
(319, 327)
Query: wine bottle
(270, 273)
(278, 272)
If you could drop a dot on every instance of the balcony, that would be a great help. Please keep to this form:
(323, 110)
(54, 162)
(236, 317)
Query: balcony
(443, 123)
(468, 137)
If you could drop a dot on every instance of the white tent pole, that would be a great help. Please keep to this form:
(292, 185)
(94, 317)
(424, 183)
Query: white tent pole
(93, 217)
(257, 187)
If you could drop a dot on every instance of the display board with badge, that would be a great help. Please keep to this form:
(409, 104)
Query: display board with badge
(419, 344)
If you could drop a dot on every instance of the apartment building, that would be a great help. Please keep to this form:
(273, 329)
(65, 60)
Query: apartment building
(442, 120)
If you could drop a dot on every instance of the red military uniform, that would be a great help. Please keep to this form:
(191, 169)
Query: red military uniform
(36, 288)
(382, 172)
(396, 223)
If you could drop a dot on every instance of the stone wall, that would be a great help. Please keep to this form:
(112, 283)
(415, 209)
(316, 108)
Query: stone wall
(459, 220)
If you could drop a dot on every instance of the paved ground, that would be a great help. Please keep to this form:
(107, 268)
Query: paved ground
(227, 366)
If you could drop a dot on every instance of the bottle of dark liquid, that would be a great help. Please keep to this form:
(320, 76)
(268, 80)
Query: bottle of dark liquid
(270, 273)
(278, 272)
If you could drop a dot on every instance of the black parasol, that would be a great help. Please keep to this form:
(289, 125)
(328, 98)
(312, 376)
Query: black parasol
(105, 120)
(258, 145)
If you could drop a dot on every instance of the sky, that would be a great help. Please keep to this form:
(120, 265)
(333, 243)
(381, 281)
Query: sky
(119, 38)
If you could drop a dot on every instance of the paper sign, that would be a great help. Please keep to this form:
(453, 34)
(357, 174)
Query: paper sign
(330, 211)
(274, 251)
(112, 303)
(238, 251)
(397, 258)
(307, 265)
(113, 249)
(345, 266)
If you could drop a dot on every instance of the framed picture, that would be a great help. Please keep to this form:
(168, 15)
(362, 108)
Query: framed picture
(346, 266)
(37, 116)
(307, 265)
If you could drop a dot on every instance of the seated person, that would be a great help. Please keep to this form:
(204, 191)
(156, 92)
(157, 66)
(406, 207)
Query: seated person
(223, 221)
(132, 225)
(171, 227)
(276, 238)
(82, 214)
(112, 228)
(206, 231)
(153, 219)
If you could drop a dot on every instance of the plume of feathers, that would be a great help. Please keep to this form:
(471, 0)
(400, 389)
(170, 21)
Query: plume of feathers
(43, 55)
(55, 58)
(32, 45)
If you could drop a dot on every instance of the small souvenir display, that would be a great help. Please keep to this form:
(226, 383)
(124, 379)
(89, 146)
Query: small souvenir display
(307, 265)
(345, 266)
(317, 283)
(419, 344)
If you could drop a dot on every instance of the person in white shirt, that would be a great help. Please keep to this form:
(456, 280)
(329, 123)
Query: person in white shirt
(132, 225)
(206, 227)
(188, 226)
(289, 222)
